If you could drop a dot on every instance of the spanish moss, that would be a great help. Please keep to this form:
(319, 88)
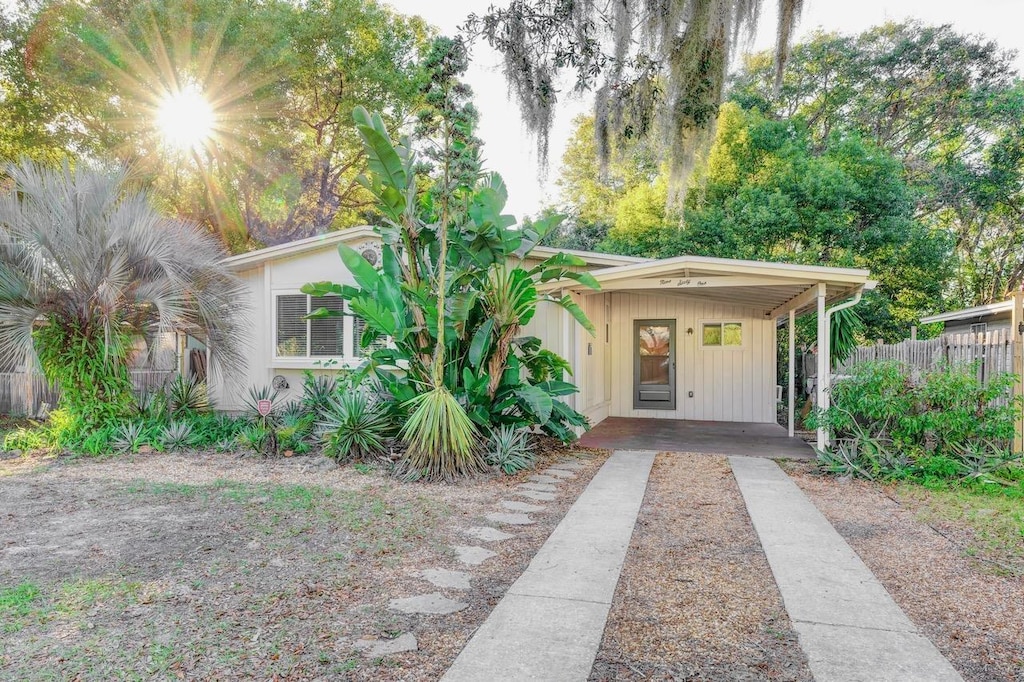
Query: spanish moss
(656, 66)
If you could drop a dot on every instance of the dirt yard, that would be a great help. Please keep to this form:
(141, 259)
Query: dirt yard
(210, 567)
(970, 605)
(696, 599)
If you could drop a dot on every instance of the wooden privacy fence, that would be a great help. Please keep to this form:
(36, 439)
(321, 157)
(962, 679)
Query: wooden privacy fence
(993, 351)
(24, 394)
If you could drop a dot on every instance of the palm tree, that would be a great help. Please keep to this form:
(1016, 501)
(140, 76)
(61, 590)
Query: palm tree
(87, 263)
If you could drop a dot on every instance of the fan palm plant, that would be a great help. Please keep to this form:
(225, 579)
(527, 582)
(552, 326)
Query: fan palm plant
(87, 263)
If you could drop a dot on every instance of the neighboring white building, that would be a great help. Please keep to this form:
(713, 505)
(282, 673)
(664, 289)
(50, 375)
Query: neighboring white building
(678, 338)
(977, 320)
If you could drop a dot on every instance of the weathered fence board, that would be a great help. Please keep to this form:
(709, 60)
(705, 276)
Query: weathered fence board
(24, 394)
(993, 351)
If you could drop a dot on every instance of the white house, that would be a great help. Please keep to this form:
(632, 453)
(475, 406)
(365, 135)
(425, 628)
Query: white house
(678, 338)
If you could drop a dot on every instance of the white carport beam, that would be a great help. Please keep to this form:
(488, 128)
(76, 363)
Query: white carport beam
(797, 302)
(669, 283)
(823, 359)
(791, 393)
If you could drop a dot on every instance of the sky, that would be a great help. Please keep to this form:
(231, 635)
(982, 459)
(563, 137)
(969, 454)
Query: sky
(509, 149)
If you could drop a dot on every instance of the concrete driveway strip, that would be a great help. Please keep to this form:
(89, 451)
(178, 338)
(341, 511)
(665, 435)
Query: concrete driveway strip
(848, 624)
(549, 624)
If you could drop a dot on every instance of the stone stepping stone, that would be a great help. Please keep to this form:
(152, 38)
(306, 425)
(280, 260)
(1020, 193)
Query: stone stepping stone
(540, 478)
(534, 495)
(488, 534)
(442, 577)
(375, 648)
(561, 473)
(511, 519)
(521, 506)
(539, 487)
(572, 465)
(434, 603)
(472, 555)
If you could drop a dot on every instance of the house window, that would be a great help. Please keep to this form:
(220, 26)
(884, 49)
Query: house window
(980, 328)
(297, 337)
(722, 334)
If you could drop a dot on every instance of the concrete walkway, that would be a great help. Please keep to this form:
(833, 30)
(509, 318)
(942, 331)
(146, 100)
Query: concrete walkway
(549, 624)
(849, 626)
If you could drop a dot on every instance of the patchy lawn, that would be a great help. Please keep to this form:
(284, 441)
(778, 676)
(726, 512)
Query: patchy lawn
(206, 566)
(950, 559)
(696, 599)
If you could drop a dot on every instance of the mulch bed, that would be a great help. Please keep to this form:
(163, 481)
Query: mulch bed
(970, 611)
(195, 567)
(696, 599)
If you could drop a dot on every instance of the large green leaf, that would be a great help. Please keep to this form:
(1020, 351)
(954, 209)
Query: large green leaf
(574, 310)
(558, 388)
(328, 288)
(377, 316)
(382, 158)
(365, 274)
(537, 400)
(481, 343)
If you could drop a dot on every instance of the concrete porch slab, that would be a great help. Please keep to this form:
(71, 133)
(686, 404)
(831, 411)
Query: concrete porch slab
(713, 438)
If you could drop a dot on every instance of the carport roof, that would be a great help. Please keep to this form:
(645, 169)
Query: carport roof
(774, 288)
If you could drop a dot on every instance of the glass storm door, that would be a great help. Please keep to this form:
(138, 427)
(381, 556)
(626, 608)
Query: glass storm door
(654, 365)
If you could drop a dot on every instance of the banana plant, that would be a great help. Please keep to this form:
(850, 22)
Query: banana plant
(452, 295)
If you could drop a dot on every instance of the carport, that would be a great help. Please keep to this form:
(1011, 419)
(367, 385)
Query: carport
(678, 435)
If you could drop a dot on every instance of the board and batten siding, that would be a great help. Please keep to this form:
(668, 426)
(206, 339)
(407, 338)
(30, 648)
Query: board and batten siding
(728, 384)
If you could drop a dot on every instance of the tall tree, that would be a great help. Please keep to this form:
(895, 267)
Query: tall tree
(948, 106)
(654, 64)
(279, 78)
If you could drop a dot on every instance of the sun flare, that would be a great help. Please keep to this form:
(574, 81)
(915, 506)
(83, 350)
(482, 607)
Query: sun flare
(185, 118)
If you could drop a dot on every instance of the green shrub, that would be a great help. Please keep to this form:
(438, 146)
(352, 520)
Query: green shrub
(941, 425)
(353, 427)
(35, 438)
(509, 449)
(317, 391)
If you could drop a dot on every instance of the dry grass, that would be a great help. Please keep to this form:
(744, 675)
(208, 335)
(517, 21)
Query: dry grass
(696, 599)
(971, 610)
(205, 566)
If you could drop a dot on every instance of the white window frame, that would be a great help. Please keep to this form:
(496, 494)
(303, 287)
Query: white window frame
(722, 346)
(349, 358)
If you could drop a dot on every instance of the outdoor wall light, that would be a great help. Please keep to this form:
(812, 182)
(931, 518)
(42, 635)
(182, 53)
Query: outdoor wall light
(1020, 328)
(689, 330)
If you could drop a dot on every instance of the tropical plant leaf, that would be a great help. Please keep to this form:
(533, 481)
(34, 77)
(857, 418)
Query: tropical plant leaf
(365, 274)
(537, 399)
(576, 312)
(481, 343)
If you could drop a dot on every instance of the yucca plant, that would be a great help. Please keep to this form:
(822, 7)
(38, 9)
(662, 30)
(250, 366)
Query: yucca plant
(86, 264)
(317, 390)
(187, 395)
(353, 426)
(509, 449)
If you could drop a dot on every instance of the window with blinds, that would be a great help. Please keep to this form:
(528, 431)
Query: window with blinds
(297, 337)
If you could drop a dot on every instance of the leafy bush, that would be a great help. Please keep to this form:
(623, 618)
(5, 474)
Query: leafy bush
(944, 424)
(509, 449)
(26, 439)
(353, 427)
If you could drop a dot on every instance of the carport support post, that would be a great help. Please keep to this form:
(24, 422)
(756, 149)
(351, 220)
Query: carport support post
(791, 393)
(823, 363)
(1017, 347)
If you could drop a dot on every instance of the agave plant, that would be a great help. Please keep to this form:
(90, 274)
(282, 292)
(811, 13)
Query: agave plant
(353, 426)
(87, 259)
(177, 435)
(129, 436)
(187, 394)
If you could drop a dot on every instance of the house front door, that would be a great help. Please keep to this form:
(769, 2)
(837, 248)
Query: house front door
(654, 365)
